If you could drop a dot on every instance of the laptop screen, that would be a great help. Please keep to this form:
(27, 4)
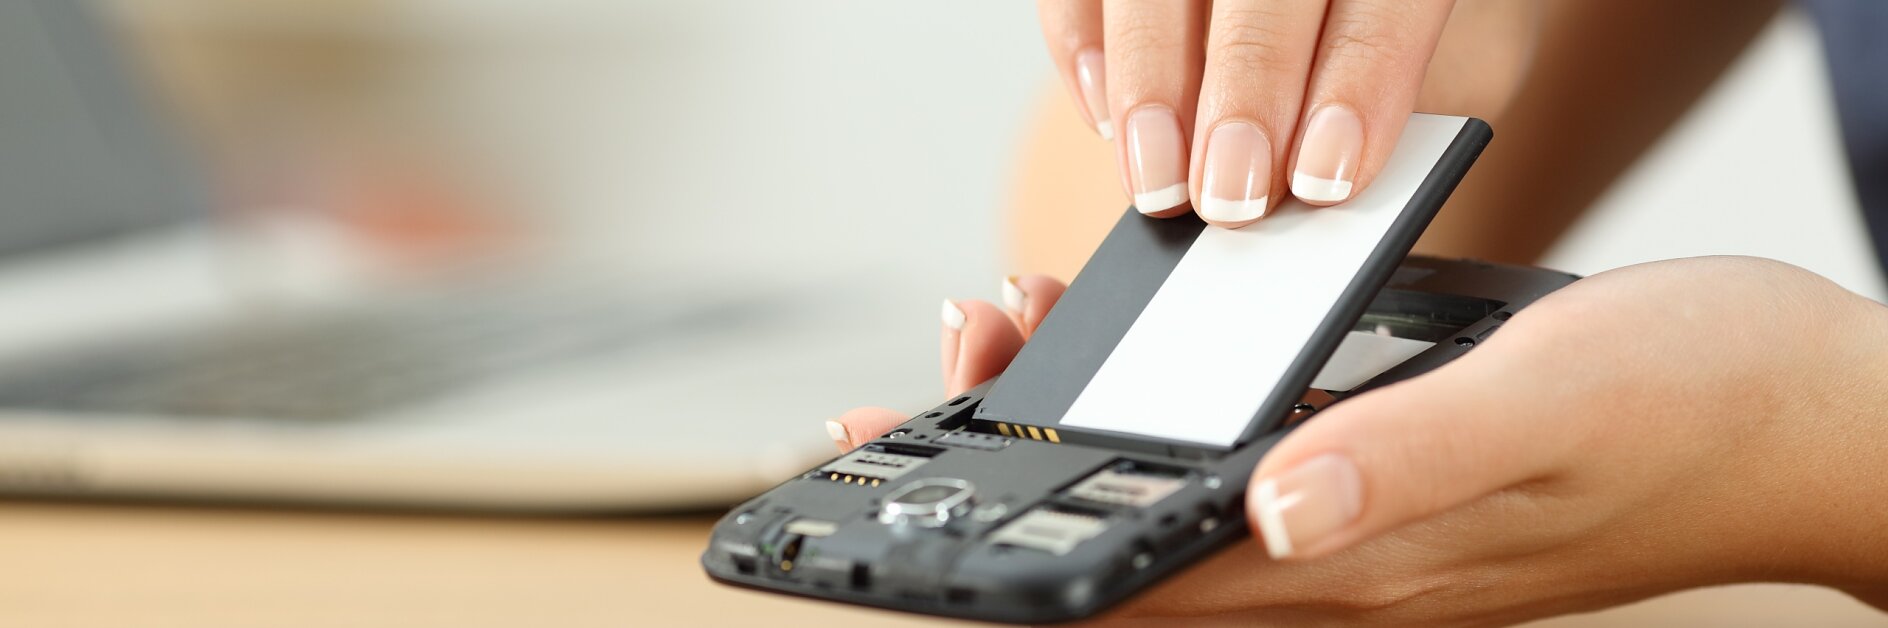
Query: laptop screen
(82, 153)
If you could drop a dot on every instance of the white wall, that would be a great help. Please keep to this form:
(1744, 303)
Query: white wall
(856, 132)
(1756, 169)
(772, 137)
(799, 138)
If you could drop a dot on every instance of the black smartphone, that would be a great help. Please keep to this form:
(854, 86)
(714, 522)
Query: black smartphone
(1056, 490)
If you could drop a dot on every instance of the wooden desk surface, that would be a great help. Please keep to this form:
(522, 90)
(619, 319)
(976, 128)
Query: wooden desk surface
(77, 565)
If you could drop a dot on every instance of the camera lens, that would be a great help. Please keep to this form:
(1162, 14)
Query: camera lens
(929, 502)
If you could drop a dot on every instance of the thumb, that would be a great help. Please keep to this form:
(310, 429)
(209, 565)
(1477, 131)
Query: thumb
(1395, 455)
(979, 342)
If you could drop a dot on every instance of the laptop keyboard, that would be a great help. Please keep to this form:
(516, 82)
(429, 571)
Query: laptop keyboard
(346, 365)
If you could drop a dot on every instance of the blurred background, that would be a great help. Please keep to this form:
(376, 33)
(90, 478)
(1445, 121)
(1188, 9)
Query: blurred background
(326, 240)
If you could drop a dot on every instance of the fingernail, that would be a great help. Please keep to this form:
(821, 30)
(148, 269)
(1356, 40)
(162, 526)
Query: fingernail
(952, 336)
(837, 430)
(1093, 83)
(1014, 299)
(1156, 165)
(1327, 162)
(1238, 173)
(1304, 505)
(953, 317)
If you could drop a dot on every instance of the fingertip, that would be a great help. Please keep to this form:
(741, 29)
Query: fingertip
(1262, 516)
(1325, 170)
(1180, 209)
(952, 315)
(1231, 214)
(1320, 191)
(1073, 32)
(1235, 165)
(1305, 509)
(840, 435)
(950, 337)
(1092, 91)
(1229, 224)
(1043, 292)
(1015, 299)
(1367, 80)
(1155, 159)
(860, 425)
(1165, 202)
(988, 341)
(979, 316)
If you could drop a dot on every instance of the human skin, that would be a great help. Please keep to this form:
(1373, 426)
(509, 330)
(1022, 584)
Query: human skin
(1580, 116)
(1649, 429)
(1226, 108)
(1655, 428)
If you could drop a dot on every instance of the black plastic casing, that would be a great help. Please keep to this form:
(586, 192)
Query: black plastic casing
(954, 571)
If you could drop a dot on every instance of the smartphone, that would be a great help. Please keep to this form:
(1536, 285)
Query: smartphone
(1059, 489)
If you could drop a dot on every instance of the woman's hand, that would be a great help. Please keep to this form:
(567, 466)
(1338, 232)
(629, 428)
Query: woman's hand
(979, 340)
(1645, 430)
(1219, 108)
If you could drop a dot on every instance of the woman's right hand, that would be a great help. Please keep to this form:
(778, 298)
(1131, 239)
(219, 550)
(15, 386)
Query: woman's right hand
(1229, 109)
(1648, 429)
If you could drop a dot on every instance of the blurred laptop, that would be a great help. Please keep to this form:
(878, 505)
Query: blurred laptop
(144, 352)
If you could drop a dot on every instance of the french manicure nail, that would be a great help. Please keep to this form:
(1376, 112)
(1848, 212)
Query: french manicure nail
(1014, 299)
(1091, 78)
(1156, 159)
(1238, 174)
(953, 338)
(1306, 504)
(953, 316)
(837, 430)
(1327, 161)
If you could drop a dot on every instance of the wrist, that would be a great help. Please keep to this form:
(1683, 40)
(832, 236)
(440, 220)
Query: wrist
(1832, 462)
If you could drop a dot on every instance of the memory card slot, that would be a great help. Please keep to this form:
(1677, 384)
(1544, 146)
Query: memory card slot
(876, 463)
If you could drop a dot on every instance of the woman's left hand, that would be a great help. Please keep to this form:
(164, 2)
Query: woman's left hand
(1645, 430)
